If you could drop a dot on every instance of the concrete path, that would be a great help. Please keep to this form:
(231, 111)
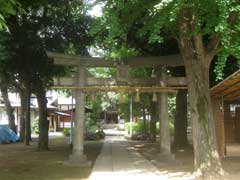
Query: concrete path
(118, 160)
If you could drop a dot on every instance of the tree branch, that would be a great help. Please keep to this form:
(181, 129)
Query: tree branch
(198, 41)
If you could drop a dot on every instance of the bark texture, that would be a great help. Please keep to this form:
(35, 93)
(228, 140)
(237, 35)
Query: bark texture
(22, 115)
(180, 121)
(43, 121)
(11, 118)
(27, 117)
(206, 158)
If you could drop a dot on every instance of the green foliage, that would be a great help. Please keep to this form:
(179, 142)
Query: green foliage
(94, 134)
(99, 102)
(171, 107)
(100, 134)
(7, 9)
(138, 127)
(92, 129)
(221, 64)
(171, 128)
(35, 125)
(66, 132)
(45, 26)
(103, 72)
(140, 25)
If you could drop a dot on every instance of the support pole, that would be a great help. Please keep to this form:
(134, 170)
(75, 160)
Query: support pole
(77, 157)
(71, 135)
(131, 116)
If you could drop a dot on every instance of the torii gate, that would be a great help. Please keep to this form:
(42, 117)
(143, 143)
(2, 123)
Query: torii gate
(123, 83)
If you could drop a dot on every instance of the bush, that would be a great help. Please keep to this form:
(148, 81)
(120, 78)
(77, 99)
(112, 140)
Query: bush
(94, 132)
(138, 127)
(66, 132)
(94, 136)
(101, 134)
(92, 129)
(91, 136)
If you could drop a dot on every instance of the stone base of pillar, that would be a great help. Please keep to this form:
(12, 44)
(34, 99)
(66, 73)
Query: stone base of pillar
(78, 160)
(162, 160)
(166, 157)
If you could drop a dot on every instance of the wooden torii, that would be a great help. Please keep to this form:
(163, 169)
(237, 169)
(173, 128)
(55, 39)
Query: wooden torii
(82, 83)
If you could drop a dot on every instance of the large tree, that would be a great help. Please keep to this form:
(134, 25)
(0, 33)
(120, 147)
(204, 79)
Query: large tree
(7, 9)
(45, 26)
(203, 29)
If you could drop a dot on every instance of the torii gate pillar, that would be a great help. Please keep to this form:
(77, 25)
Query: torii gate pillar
(77, 157)
(165, 139)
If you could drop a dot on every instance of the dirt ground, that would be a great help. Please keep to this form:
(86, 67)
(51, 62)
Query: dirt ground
(184, 160)
(18, 162)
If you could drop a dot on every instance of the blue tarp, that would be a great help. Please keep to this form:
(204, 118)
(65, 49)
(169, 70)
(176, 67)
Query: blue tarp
(7, 135)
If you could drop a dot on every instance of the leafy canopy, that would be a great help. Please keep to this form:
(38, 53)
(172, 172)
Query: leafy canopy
(7, 8)
(157, 21)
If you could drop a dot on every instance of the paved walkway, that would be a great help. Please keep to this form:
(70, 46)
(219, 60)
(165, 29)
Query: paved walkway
(118, 160)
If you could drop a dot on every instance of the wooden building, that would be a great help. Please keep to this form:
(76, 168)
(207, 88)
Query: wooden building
(226, 111)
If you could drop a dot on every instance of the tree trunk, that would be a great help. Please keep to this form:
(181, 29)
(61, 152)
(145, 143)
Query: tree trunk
(11, 118)
(180, 121)
(153, 128)
(206, 158)
(22, 115)
(43, 121)
(28, 117)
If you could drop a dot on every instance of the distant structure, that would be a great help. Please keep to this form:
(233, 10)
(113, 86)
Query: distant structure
(60, 110)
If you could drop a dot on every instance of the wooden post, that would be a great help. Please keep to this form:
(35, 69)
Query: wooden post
(165, 139)
(77, 157)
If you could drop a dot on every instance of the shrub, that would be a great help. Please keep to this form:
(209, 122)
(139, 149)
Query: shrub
(101, 134)
(66, 132)
(92, 129)
(91, 136)
(94, 136)
(94, 133)
(138, 127)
